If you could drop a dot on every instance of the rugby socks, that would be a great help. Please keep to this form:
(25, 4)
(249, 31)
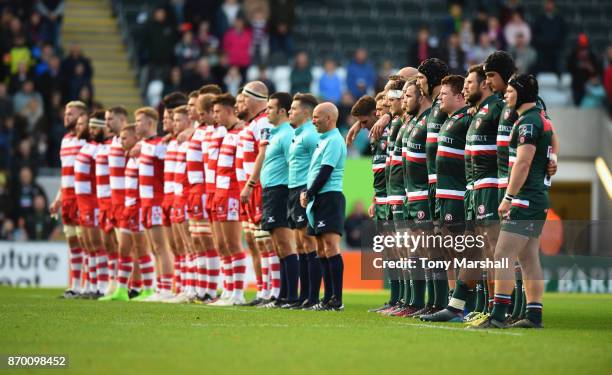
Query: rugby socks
(400, 281)
(137, 285)
(238, 270)
(201, 275)
(265, 275)
(102, 270)
(480, 298)
(518, 292)
(407, 286)
(178, 273)
(304, 282)
(283, 280)
(534, 312)
(460, 295)
(417, 276)
(440, 287)
(336, 266)
(470, 301)
(213, 266)
(147, 271)
(165, 283)
(485, 289)
(314, 276)
(501, 302)
(292, 273)
(112, 266)
(92, 272)
(126, 266)
(76, 266)
(191, 273)
(429, 283)
(275, 274)
(394, 286)
(228, 276)
(327, 279)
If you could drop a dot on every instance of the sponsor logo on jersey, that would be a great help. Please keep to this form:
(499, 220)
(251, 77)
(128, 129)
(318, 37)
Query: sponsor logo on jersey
(421, 215)
(478, 122)
(448, 217)
(481, 209)
(507, 114)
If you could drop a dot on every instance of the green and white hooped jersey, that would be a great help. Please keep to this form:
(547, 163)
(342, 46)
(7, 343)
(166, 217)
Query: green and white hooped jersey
(435, 119)
(393, 176)
(379, 156)
(450, 157)
(415, 158)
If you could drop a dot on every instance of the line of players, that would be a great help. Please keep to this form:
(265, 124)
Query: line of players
(160, 218)
(443, 147)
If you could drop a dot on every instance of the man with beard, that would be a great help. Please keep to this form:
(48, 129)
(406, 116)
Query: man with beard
(66, 199)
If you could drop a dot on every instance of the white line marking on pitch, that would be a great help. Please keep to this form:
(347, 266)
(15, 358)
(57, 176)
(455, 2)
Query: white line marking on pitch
(461, 329)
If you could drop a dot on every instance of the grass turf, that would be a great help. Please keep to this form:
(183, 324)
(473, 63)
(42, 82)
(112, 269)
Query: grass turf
(146, 338)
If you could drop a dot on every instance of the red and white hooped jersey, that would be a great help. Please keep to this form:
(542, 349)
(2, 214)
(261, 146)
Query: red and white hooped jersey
(240, 174)
(132, 195)
(169, 166)
(181, 183)
(85, 175)
(227, 182)
(151, 171)
(213, 141)
(103, 189)
(70, 147)
(250, 142)
(195, 160)
(116, 165)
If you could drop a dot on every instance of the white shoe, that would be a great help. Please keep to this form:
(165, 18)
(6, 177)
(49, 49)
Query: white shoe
(179, 298)
(222, 303)
(160, 296)
(237, 300)
(112, 286)
(225, 295)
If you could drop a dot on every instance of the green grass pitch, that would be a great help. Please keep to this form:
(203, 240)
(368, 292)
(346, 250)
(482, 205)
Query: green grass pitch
(146, 338)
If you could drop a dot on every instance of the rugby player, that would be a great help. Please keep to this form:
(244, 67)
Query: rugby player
(302, 148)
(66, 199)
(325, 202)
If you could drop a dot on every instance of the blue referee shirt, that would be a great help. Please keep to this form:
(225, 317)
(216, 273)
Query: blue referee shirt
(302, 147)
(331, 151)
(275, 169)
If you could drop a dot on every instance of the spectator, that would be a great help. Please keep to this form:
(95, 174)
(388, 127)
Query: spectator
(508, 9)
(208, 42)
(549, 35)
(7, 137)
(344, 111)
(330, 86)
(301, 76)
(9, 232)
(43, 55)
(24, 192)
(452, 23)
(86, 96)
(158, 44)
(261, 39)
(516, 26)
(481, 23)
(237, 45)
(52, 12)
(480, 52)
(353, 224)
(18, 79)
(32, 112)
(262, 75)
(608, 78)
(421, 49)
(23, 97)
(385, 71)
(496, 35)
(282, 19)
(6, 103)
(174, 81)
(76, 83)
(197, 11)
(233, 80)
(226, 16)
(69, 71)
(219, 70)
(51, 80)
(19, 54)
(187, 51)
(466, 36)
(524, 56)
(360, 74)
(454, 55)
(594, 93)
(39, 225)
(35, 29)
(582, 65)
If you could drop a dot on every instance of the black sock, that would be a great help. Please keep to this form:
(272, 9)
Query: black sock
(292, 273)
(282, 294)
(304, 282)
(394, 286)
(417, 276)
(336, 266)
(314, 270)
(327, 279)
(480, 297)
(440, 287)
(534, 312)
(429, 282)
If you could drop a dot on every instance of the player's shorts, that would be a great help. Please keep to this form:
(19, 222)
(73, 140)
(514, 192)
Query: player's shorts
(226, 207)
(88, 217)
(179, 214)
(501, 193)
(380, 208)
(197, 206)
(418, 214)
(105, 219)
(132, 219)
(274, 213)
(398, 212)
(470, 210)
(199, 227)
(254, 207)
(209, 208)
(70, 212)
(434, 211)
(166, 212)
(153, 216)
(452, 214)
(244, 215)
(117, 215)
(486, 205)
(327, 213)
(295, 212)
(525, 221)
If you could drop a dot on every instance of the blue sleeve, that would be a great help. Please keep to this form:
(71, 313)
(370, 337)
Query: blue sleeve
(332, 154)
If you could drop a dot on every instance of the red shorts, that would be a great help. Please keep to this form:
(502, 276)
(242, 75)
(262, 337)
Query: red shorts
(105, 219)
(226, 207)
(166, 208)
(152, 216)
(88, 217)
(209, 207)
(179, 214)
(70, 212)
(244, 215)
(117, 215)
(197, 206)
(132, 219)
(254, 207)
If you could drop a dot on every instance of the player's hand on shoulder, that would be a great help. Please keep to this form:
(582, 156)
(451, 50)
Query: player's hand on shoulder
(352, 133)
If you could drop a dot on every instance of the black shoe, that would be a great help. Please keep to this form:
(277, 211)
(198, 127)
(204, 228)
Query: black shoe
(70, 294)
(321, 306)
(86, 295)
(335, 304)
(424, 311)
(280, 302)
(305, 305)
(489, 323)
(200, 300)
(269, 303)
(525, 323)
(97, 295)
(381, 308)
(291, 305)
(133, 293)
(254, 302)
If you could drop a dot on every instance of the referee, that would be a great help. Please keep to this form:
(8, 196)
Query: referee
(325, 202)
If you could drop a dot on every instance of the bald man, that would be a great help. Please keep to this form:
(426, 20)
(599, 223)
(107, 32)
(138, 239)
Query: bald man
(325, 203)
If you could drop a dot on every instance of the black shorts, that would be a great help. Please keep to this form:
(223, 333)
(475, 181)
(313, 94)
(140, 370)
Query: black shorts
(328, 213)
(274, 213)
(296, 213)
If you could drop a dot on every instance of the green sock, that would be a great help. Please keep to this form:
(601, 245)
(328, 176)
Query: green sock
(440, 288)
(430, 287)
(407, 287)
(460, 294)
(394, 287)
(500, 307)
(417, 277)
(534, 312)
(470, 301)
(480, 297)
(401, 289)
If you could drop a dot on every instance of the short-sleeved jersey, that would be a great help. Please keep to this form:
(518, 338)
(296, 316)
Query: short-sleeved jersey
(396, 191)
(103, 190)
(227, 183)
(415, 158)
(379, 159)
(275, 168)
(195, 160)
(533, 128)
(116, 167)
(435, 119)
(240, 173)
(302, 147)
(85, 175)
(213, 139)
(250, 142)
(181, 182)
(481, 144)
(169, 167)
(396, 125)
(151, 171)
(132, 194)
(450, 163)
(331, 151)
(69, 148)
